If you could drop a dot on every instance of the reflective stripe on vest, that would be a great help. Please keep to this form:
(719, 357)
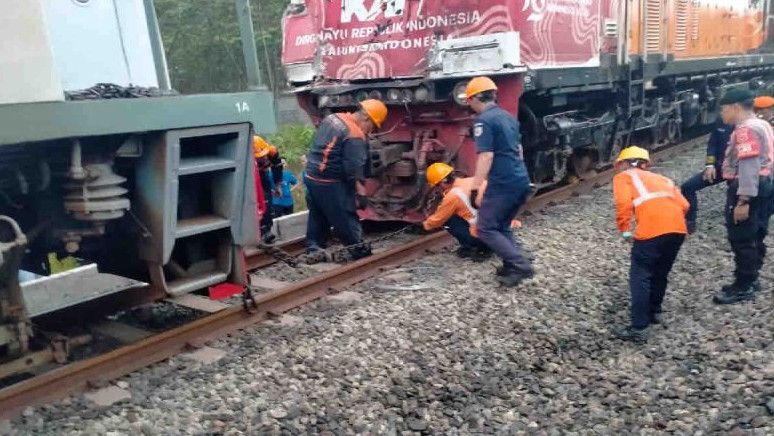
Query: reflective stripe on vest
(642, 192)
(466, 201)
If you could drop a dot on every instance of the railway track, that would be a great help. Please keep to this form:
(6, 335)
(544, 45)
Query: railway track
(98, 370)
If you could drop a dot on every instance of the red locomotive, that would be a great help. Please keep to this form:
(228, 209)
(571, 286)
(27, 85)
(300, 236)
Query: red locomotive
(584, 76)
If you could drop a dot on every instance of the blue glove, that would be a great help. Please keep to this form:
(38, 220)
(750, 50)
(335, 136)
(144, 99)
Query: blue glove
(627, 236)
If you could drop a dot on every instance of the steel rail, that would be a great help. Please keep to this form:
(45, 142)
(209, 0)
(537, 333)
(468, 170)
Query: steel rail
(100, 369)
(96, 371)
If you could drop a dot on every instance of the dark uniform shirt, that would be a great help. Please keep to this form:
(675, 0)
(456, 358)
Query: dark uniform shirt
(272, 162)
(339, 150)
(716, 146)
(497, 131)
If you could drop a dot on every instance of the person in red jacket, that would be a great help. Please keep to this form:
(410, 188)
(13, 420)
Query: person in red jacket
(659, 209)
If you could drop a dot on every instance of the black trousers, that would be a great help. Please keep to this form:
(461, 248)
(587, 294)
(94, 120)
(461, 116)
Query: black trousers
(747, 238)
(267, 220)
(652, 260)
(460, 230)
(282, 211)
(331, 205)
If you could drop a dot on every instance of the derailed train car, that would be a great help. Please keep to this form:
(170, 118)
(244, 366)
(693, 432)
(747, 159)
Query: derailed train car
(121, 186)
(584, 77)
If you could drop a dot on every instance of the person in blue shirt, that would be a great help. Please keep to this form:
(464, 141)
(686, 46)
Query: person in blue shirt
(501, 163)
(283, 204)
(716, 151)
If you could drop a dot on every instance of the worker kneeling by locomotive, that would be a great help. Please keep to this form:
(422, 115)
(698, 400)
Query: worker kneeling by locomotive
(455, 213)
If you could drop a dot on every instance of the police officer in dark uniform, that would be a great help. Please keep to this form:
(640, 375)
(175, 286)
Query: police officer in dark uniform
(716, 150)
(500, 162)
(747, 168)
(334, 177)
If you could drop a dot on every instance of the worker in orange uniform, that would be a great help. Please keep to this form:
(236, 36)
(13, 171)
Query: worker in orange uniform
(455, 213)
(268, 160)
(335, 177)
(764, 108)
(659, 209)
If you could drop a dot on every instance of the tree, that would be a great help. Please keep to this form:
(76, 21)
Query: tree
(204, 52)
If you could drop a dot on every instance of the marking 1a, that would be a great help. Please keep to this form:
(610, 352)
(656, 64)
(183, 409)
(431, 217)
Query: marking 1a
(242, 107)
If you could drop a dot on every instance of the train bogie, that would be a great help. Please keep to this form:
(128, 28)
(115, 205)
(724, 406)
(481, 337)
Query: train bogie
(114, 187)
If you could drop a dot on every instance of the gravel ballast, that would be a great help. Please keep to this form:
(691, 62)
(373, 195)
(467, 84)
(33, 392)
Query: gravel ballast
(464, 356)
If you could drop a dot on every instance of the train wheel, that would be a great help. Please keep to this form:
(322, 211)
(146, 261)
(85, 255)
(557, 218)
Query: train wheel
(673, 132)
(583, 163)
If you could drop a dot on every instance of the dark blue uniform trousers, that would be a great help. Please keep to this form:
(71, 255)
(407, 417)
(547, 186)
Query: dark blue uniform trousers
(693, 185)
(497, 211)
(747, 238)
(652, 259)
(331, 205)
(460, 230)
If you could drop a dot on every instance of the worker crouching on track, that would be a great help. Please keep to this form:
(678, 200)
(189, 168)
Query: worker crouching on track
(335, 175)
(500, 162)
(455, 212)
(659, 209)
(748, 169)
(268, 160)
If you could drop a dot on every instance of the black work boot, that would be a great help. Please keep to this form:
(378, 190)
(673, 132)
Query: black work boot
(360, 251)
(268, 238)
(481, 254)
(465, 252)
(503, 270)
(735, 294)
(513, 277)
(630, 333)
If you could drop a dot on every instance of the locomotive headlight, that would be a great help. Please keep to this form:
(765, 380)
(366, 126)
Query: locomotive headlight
(459, 93)
(334, 99)
(393, 94)
(376, 94)
(407, 95)
(361, 95)
(324, 100)
(421, 94)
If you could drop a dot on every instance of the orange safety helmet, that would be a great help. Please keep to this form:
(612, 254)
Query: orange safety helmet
(437, 172)
(763, 102)
(477, 85)
(261, 148)
(376, 110)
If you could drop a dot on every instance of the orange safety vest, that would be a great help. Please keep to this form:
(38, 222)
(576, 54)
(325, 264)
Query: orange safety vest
(456, 201)
(656, 204)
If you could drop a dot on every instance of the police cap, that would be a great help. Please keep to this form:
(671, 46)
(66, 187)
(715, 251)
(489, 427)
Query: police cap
(738, 95)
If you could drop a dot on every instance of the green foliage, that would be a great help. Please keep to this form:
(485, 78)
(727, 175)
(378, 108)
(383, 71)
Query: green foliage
(292, 141)
(203, 48)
